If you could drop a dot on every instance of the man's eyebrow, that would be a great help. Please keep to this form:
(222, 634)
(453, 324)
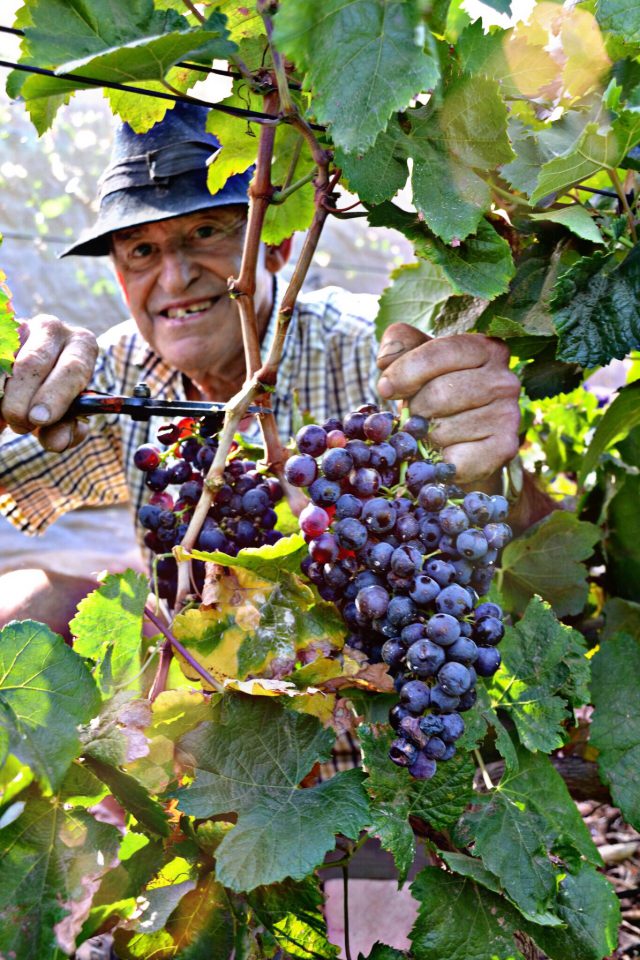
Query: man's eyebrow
(128, 234)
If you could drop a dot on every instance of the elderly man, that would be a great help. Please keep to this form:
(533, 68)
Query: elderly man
(173, 246)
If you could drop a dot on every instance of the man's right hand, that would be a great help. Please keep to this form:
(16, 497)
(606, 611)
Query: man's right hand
(54, 364)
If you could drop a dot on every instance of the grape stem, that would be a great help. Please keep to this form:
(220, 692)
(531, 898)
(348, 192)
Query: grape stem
(173, 642)
(162, 673)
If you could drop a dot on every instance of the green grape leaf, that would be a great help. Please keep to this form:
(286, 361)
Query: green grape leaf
(527, 302)
(547, 560)
(537, 784)
(481, 265)
(382, 46)
(481, 718)
(293, 914)
(50, 859)
(467, 133)
(142, 112)
(620, 17)
(378, 173)
(618, 420)
(252, 764)
(132, 796)
(622, 538)
(460, 920)
(450, 196)
(471, 867)
(46, 691)
(395, 795)
(595, 309)
(511, 841)
(380, 951)
(544, 666)
(9, 340)
(598, 146)
(239, 139)
(575, 218)
(500, 6)
(140, 859)
(133, 43)
(108, 627)
(590, 911)
(621, 616)
(615, 728)
(200, 927)
(417, 292)
(270, 561)
(296, 212)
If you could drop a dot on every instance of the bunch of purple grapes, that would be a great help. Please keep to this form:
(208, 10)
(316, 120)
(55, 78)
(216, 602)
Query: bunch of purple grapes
(242, 513)
(406, 555)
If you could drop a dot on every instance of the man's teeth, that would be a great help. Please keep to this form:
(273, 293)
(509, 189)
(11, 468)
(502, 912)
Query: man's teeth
(178, 312)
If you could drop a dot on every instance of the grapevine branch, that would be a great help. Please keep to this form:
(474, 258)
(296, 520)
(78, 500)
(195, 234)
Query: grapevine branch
(200, 670)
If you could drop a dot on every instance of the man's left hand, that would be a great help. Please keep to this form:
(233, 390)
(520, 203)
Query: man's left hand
(462, 384)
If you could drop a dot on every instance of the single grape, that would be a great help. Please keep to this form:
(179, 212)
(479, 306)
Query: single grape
(336, 464)
(372, 602)
(415, 696)
(487, 661)
(365, 481)
(464, 650)
(423, 767)
(488, 631)
(313, 520)
(403, 753)
(435, 748)
(454, 678)
(424, 590)
(324, 493)
(452, 727)
(455, 600)
(351, 534)
(311, 439)
(417, 426)
(478, 507)
(443, 629)
(301, 470)
(443, 701)
(378, 515)
(424, 658)
(146, 457)
(472, 544)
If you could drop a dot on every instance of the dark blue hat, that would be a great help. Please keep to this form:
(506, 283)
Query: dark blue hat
(157, 175)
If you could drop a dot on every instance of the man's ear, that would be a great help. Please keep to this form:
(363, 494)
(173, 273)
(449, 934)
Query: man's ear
(277, 257)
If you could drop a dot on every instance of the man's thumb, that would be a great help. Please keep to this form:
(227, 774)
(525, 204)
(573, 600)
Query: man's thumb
(397, 339)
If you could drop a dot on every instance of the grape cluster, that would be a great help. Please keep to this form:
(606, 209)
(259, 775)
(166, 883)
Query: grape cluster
(242, 513)
(406, 555)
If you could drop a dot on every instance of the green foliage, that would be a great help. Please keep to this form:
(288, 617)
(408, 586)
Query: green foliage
(615, 730)
(595, 309)
(108, 626)
(396, 797)
(252, 763)
(49, 857)
(544, 666)
(461, 920)
(374, 38)
(9, 340)
(547, 560)
(46, 690)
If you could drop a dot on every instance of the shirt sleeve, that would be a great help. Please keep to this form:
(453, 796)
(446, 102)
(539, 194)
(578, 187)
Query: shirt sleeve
(38, 486)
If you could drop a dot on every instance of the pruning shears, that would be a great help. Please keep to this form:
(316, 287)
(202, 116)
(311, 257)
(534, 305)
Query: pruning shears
(141, 406)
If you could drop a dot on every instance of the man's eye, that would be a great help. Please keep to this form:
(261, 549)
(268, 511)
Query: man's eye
(141, 250)
(205, 232)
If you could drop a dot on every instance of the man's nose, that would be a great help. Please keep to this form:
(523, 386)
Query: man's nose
(177, 270)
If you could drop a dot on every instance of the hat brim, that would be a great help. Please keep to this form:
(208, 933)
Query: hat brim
(133, 207)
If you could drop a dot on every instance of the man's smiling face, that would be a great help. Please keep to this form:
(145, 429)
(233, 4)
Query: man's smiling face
(174, 276)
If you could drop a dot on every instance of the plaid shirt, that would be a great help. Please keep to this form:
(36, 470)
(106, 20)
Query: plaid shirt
(328, 362)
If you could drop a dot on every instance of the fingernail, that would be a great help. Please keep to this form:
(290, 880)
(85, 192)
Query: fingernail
(385, 387)
(391, 349)
(40, 414)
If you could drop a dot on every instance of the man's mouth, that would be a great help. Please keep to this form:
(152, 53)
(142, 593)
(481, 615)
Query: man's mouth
(177, 313)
